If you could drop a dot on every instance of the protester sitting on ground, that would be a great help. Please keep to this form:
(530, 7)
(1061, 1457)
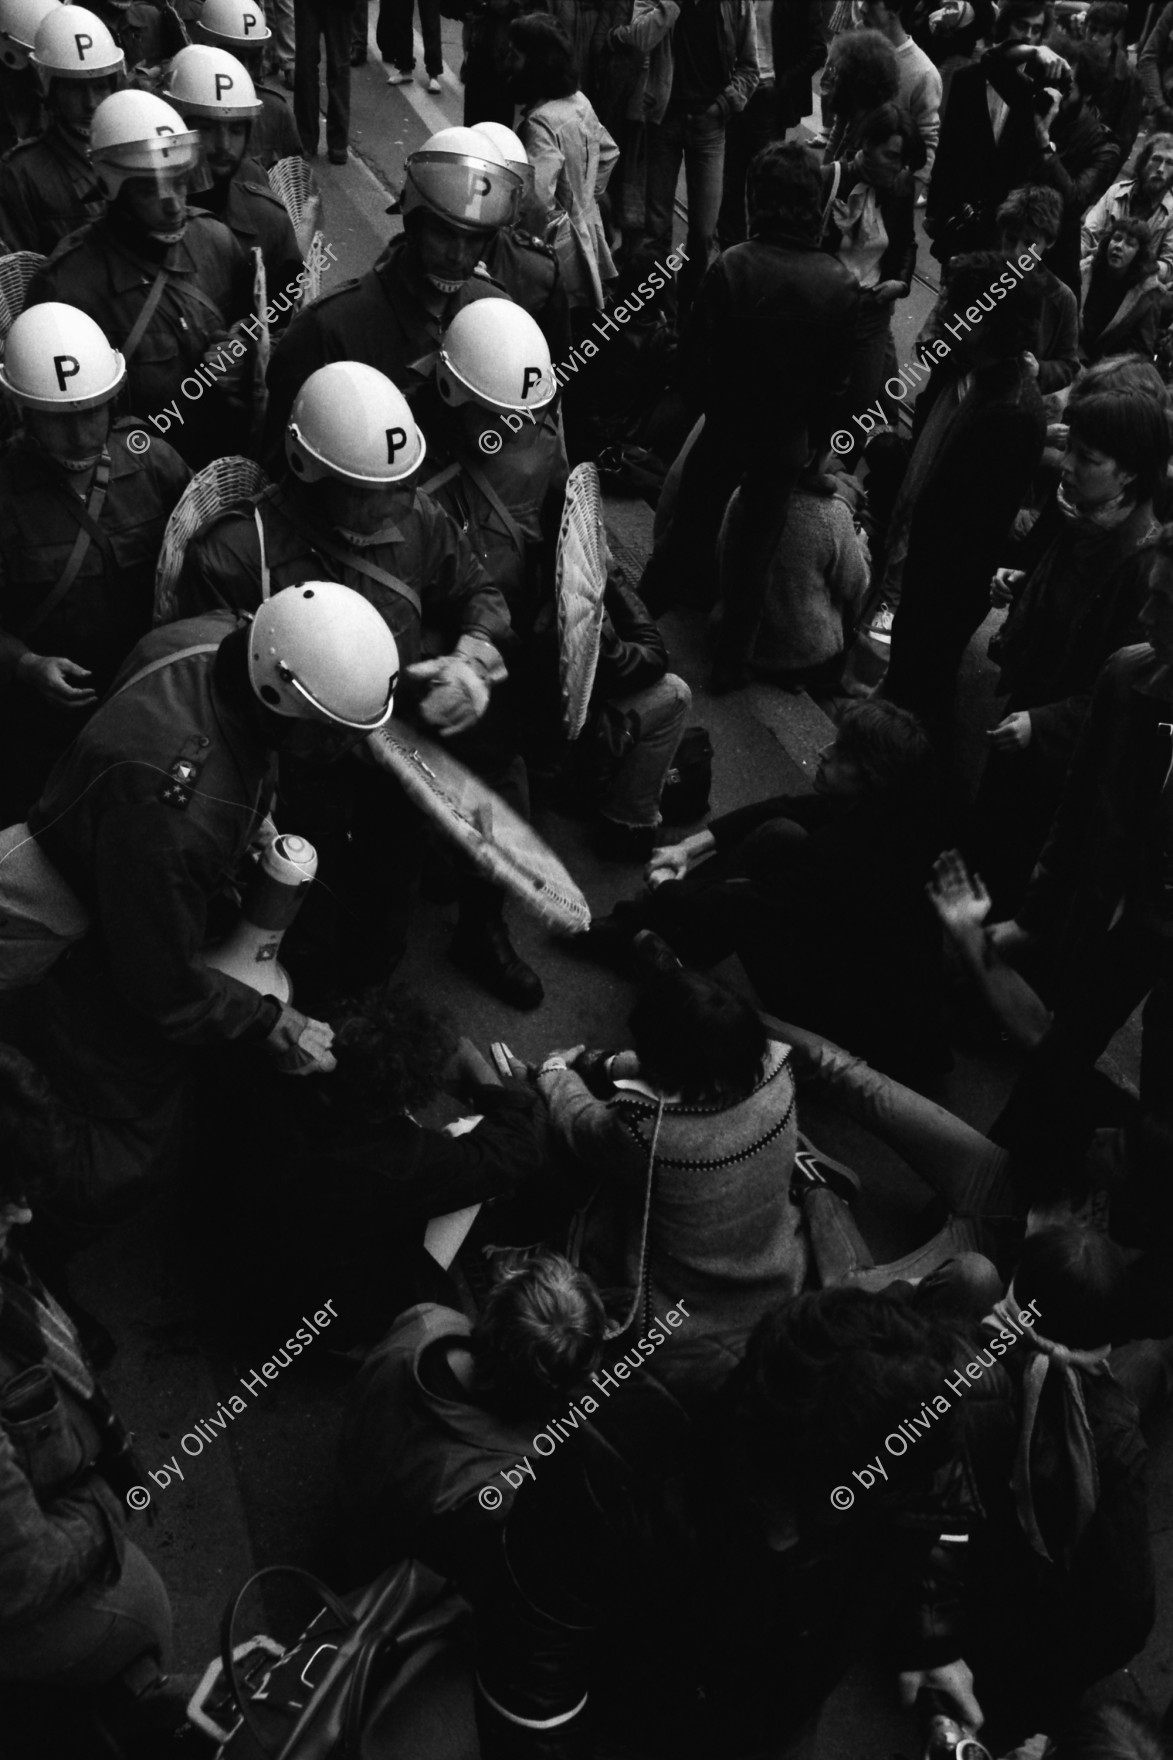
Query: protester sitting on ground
(693, 1148)
(694, 1586)
(356, 1135)
(443, 1409)
(818, 580)
(1147, 194)
(80, 1604)
(1123, 300)
(615, 768)
(1078, 599)
(796, 884)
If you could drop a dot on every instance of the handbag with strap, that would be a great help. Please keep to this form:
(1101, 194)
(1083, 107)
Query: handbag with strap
(386, 1676)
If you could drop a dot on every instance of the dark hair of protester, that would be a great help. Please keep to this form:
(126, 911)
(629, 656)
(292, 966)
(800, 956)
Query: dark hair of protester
(549, 70)
(867, 73)
(1123, 372)
(1108, 1732)
(695, 1038)
(784, 190)
(1079, 1279)
(1013, 11)
(391, 1051)
(886, 120)
(34, 1127)
(1008, 325)
(1106, 15)
(1032, 208)
(1162, 139)
(1091, 76)
(888, 745)
(829, 1375)
(1126, 226)
(1127, 425)
(540, 1332)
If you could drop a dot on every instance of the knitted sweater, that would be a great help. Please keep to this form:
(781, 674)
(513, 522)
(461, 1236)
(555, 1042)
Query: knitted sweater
(723, 1235)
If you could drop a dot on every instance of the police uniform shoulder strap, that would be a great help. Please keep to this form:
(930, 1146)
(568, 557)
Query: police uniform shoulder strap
(87, 529)
(165, 660)
(146, 313)
(338, 553)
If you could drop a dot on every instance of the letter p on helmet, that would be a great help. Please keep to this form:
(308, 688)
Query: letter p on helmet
(224, 83)
(83, 43)
(66, 367)
(530, 376)
(396, 441)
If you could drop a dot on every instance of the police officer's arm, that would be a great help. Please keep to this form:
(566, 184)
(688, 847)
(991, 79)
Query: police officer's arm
(20, 227)
(55, 677)
(155, 867)
(474, 618)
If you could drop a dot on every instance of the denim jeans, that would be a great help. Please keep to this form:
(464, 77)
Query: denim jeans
(700, 142)
(964, 1168)
(89, 1638)
(315, 19)
(632, 797)
(279, 14)
(746, 133)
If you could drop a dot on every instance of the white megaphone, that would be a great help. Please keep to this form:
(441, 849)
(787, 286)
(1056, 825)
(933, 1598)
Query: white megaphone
(270, 903)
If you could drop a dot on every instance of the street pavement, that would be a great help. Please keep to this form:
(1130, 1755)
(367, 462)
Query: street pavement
(261, 1492)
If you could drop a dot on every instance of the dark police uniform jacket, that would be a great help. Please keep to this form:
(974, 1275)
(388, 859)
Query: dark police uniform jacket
(208, 289)
(380, 319)
(148, 817)
(274, 133)
(428, 552)
(258, 219)
(106, 610)
(46, 192)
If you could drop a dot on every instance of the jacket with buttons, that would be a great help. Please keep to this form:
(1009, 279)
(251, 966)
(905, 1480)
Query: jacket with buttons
(148, 817)
(46, 192)
(108, 607)
(209, 288)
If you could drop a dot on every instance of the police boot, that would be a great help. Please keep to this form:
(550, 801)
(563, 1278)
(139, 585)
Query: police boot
(482, 948)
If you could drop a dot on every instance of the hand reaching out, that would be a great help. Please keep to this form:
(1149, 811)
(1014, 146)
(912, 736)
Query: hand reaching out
(959, 898)
(57, 679)
(1012, 734)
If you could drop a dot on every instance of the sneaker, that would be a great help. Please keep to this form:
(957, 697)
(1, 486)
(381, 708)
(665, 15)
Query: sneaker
(812, 1170)
(396, 77)
(434, 85)
(880, 625)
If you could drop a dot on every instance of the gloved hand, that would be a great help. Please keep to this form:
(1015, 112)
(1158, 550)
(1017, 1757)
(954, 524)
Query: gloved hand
(458, 696)
(301, 1046)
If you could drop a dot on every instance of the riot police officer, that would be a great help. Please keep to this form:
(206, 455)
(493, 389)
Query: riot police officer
(214, 94)
(47, 185)
(83, 507)
(349, 501)
(239, 26)
(167, 286)
(459, 192)
(148, 818)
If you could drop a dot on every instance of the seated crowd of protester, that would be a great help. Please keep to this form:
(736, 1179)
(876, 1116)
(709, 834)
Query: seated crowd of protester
(252, 522)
